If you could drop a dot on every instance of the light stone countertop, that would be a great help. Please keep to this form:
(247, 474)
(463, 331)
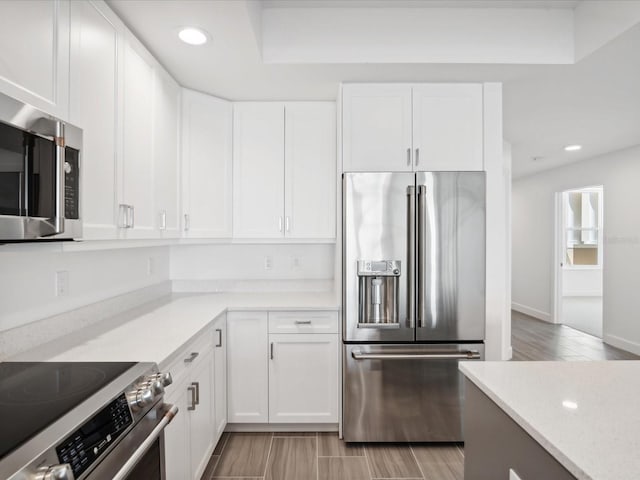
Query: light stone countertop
(155, 331)
(585, 414)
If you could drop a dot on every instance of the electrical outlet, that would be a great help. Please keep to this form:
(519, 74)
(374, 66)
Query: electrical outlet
(62, 283)
(151, 266)
(268, 262)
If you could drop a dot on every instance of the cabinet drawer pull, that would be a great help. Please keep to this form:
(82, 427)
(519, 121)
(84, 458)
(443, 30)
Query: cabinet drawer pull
(409, 156)
(417, 156)
(219, 330)
(191, 358)
(197, 387)
(303, 322)
(271, 350)
(192, 389)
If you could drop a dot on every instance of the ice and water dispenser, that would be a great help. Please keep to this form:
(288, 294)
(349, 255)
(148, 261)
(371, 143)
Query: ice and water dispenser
(378, 290)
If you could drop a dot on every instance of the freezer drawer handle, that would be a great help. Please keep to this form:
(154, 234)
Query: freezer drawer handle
(468, 355)
(382, 326)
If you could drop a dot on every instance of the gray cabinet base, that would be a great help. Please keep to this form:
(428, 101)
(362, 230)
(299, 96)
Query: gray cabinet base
(494, 444)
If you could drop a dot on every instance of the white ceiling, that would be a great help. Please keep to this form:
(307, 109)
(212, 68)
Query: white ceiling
(595, 102)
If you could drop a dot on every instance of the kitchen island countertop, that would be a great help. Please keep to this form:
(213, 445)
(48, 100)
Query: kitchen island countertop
(585, 414)
(154, 331)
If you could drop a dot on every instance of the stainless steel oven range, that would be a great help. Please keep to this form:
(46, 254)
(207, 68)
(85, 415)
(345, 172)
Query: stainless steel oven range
(83, 420)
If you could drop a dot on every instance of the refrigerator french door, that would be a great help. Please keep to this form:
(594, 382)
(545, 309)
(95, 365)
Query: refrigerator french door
(413, 301)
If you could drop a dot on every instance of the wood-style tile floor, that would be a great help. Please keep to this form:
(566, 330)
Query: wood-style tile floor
(322, 456)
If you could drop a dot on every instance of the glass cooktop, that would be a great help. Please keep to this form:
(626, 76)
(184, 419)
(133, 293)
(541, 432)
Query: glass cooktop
(33, 395)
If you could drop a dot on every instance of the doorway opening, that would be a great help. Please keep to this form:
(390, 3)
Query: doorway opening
(579, 259)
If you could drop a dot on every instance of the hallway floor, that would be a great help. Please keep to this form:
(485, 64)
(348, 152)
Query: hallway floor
(322, 456)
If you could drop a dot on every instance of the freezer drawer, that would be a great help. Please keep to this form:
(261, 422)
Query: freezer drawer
(404, 393)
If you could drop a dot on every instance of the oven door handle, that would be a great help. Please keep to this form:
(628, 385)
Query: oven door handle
(170, 412)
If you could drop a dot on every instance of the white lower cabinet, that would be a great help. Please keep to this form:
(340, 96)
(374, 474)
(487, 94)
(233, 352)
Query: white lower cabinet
(248, 368)
(303, 378)
(220, 375)
(283, 377)
(191, 436)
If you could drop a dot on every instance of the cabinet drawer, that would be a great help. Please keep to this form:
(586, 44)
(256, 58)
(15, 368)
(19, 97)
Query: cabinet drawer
(189, 355)
(303, 322)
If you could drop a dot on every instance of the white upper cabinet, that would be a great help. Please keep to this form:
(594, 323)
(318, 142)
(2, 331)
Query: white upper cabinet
(166, 115)
(376, 128)
(284, 175)
(310, 169)
(138, 174)
(34, 53)
(425, 127)
(258, 170)
(95, 50)
(206, 165)
(447, 127)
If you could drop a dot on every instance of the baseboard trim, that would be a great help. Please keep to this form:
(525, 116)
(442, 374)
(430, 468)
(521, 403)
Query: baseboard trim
(621, 343)
(281, 427)
(532, 312)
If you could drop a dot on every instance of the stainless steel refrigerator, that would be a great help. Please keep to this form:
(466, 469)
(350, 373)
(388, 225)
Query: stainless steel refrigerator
(413, 302)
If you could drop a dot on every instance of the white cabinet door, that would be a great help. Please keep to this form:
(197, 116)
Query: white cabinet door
(34, 53)
(207, 165)
(248, 370)
(138, 179)
(177, 434)
(95, 50)
(202, 417)
(310, 169)
(376, 128)
(220, 376)
(166, 114)
(447, 127)
(258, 170)
(303, 378)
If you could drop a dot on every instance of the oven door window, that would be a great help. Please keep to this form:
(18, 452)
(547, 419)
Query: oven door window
(27, 174)
(150, 466)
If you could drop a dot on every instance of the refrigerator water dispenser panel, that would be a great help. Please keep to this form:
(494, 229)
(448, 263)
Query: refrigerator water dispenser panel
(378, 283)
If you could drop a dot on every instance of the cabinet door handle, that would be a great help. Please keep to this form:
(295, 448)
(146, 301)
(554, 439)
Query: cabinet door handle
(417, 156)
(123, 221)
(303, 322)
(163, 220)
(192, 357)
(133, 216)
(219, 330)
(197, 387)
(286, 223)
(409, 156)
(279, 224)
(192, 389)
(271, 354)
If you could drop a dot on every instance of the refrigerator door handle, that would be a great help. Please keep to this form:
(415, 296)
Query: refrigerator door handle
(422, 252)
(411, 255)
(457, 355)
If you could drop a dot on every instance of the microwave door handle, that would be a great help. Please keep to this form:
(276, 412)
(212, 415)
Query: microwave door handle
(58, 213)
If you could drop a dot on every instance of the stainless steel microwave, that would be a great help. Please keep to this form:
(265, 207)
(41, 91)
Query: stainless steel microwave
(39, 175)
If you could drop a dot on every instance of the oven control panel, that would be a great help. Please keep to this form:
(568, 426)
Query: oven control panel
(87, 443)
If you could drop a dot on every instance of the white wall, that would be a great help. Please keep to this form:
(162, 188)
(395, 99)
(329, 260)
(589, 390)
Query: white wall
(533, 238)
(232, 267)
(27, 278)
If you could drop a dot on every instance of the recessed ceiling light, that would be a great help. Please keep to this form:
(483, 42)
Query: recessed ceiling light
(572, 148)
(193, 36)
(571, 405)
